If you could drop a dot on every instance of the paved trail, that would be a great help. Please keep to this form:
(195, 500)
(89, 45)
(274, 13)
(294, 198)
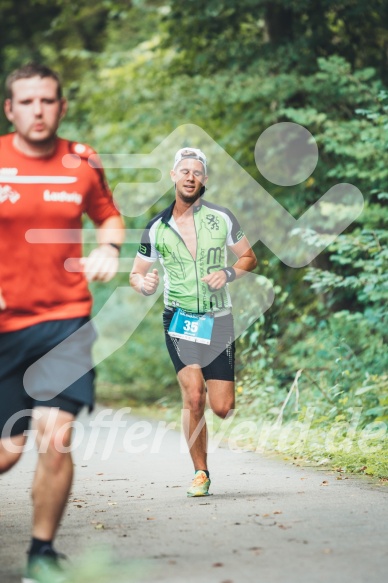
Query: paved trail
(267, 521)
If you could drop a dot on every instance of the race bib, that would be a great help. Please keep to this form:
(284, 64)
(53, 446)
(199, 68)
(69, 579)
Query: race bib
(191, 327)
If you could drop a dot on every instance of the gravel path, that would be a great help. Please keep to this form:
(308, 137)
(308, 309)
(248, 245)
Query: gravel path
(129, 520)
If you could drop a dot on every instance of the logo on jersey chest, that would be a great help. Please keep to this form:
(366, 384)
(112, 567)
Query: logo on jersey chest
(8, 193)
(213, 222)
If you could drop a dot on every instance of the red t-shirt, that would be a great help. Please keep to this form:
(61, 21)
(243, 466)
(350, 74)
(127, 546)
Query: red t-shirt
(46, 193)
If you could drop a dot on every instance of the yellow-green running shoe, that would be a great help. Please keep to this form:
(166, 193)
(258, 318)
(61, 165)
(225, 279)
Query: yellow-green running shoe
(200, 485)
(45, 567)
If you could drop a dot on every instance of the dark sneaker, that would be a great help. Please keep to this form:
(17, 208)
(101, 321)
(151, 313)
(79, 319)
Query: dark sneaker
(45, 567)
(200, 485)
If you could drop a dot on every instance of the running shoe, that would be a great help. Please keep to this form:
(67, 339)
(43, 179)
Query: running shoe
(45, 568)
(200, 485)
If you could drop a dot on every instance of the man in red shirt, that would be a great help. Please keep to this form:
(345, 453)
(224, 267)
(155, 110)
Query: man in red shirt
(46, 375)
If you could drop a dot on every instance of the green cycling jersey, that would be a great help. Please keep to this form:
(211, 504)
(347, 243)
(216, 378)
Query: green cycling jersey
(216, 229)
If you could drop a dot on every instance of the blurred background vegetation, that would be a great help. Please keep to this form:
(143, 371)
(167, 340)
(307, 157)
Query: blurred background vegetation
(134, 71)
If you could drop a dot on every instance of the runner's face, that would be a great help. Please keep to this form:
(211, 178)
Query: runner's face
(35, 109)
(189, 177)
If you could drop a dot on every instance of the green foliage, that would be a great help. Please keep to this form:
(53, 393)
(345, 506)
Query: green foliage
(358, 271)
(65, 35)
(210, 35)
(334, 330)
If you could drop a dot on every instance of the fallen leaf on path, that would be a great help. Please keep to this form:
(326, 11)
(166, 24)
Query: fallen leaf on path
(218, 564)
(325, 483)
(99, 526)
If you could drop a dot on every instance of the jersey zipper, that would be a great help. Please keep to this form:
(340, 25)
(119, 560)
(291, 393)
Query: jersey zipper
(194, 260)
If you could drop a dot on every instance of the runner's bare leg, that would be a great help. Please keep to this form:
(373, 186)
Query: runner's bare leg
(54, 471)
(193, 402)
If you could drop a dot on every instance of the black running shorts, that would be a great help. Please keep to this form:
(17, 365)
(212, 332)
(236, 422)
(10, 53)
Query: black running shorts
(48, 364)
(215, 359)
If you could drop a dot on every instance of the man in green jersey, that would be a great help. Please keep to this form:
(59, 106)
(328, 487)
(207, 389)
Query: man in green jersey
(190, 239)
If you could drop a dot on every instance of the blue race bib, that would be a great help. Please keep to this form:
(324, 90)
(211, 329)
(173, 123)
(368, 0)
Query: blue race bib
(192, 327)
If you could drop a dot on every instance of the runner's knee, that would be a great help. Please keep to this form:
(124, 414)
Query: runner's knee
(53, 453)
(223, 409)
(54, 439)
(195, 401)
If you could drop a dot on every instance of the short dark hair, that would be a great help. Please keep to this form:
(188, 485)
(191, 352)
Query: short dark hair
(31, 70)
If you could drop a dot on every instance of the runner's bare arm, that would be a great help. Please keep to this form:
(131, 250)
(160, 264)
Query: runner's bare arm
(143, 282)
(246, 262)
(103, 262)
(3, 305)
